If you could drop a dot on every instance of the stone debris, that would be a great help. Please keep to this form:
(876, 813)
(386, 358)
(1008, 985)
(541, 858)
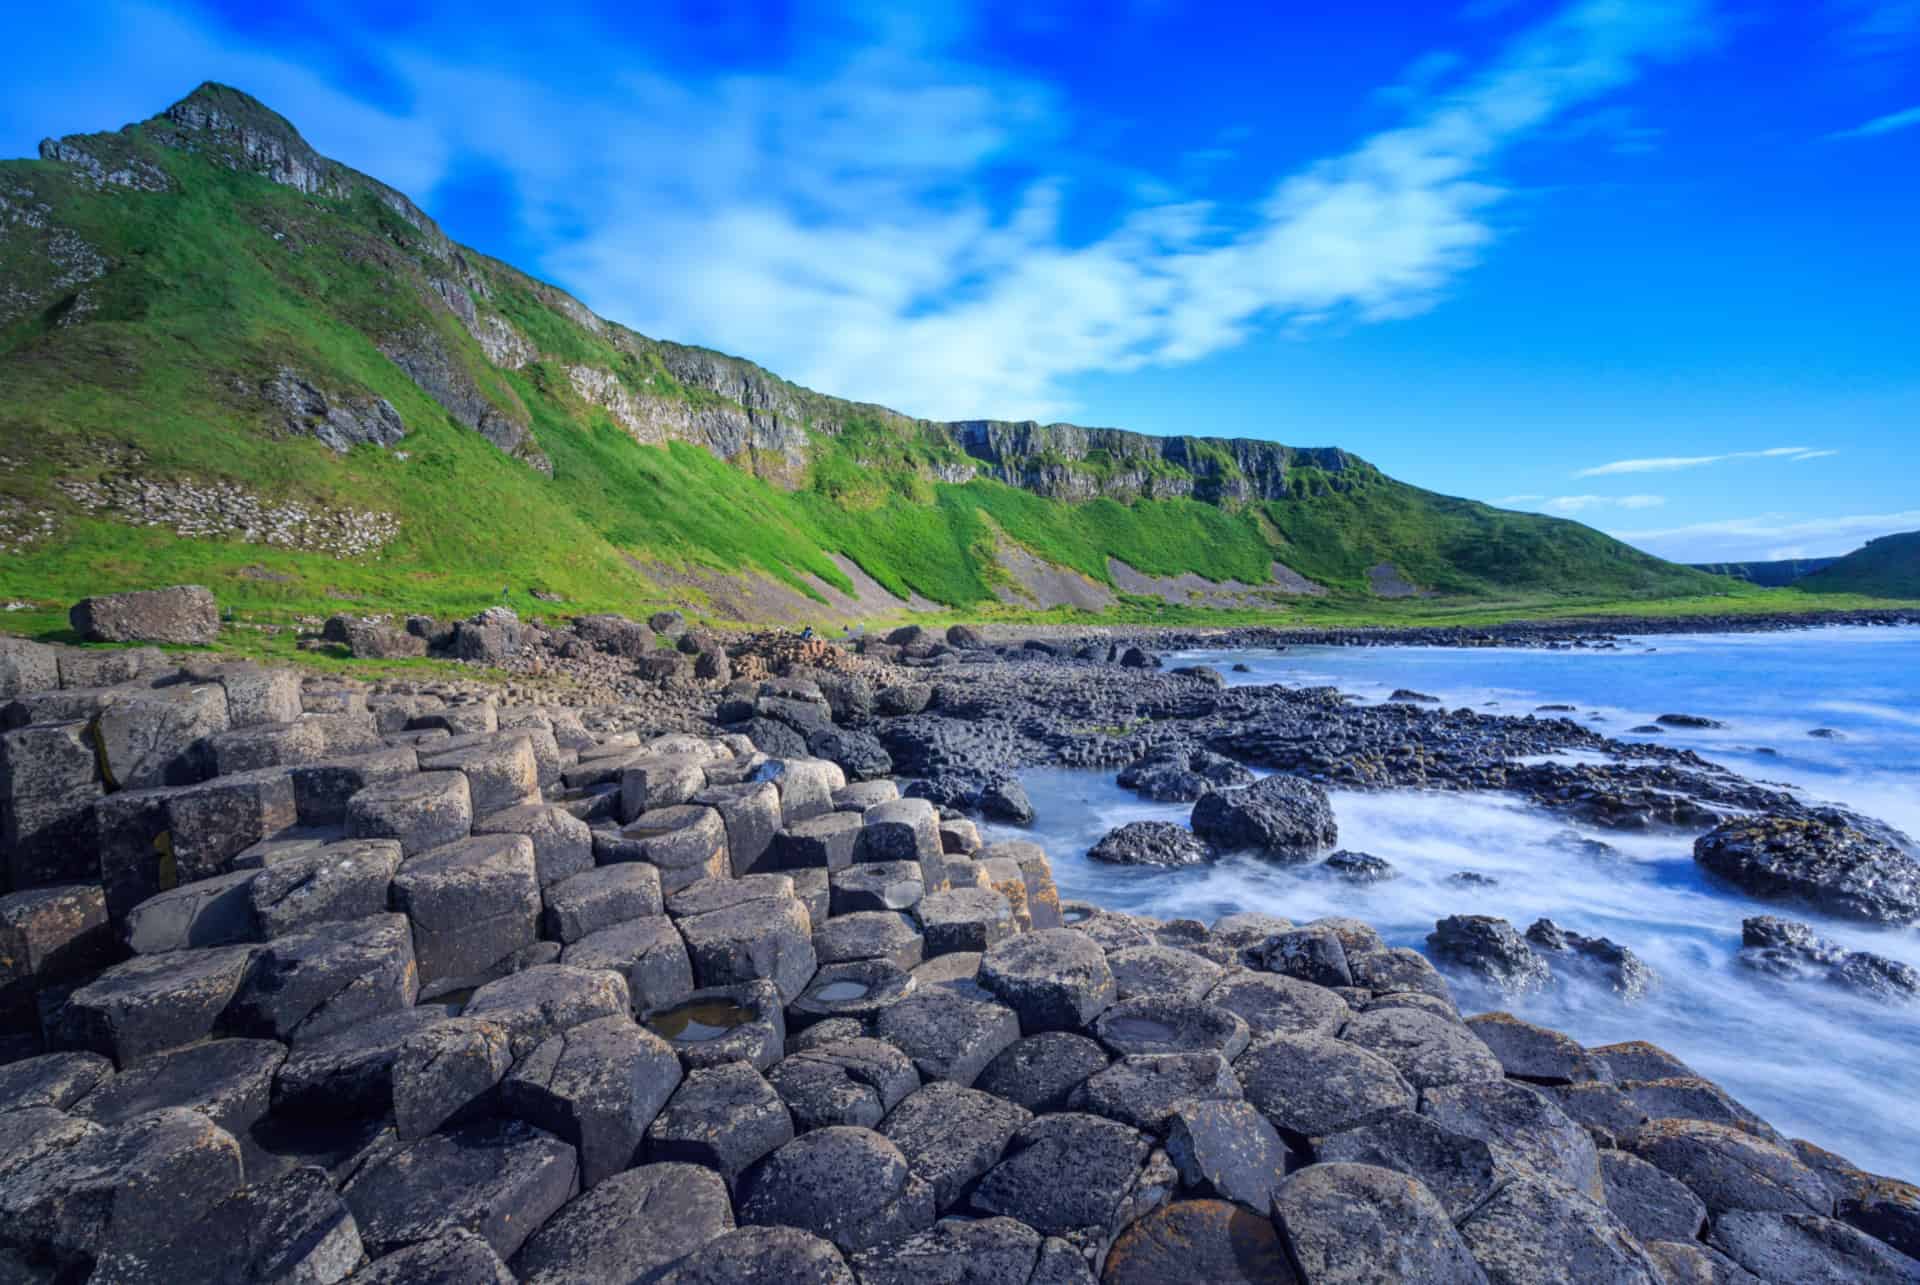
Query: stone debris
(443, 981)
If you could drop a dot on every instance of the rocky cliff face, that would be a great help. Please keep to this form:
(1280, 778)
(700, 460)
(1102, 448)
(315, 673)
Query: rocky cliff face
(1065, 461)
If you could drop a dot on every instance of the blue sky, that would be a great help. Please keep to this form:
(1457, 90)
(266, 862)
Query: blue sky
(1647, 263)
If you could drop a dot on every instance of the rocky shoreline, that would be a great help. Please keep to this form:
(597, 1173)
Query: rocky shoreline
(681, 958)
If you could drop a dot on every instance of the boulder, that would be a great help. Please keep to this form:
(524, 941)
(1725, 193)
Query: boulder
(562, 843)
(319, 980)
(1805, 1247)
(1458, 1169)
(600, 898)
(1821, 860)
(949, 1036)
(1041, 1072)
(230, 1082)
(1275, 1005)
(289, 1228)
(1430, 1051)
(843, 1082)
(1522, 1127)
(348, 1074)
(1143, 1090)
(1490, 950)
(1152, 843)
(447, 1074)
(1279, 817)
(183, 614)
(1311, 1085)
(1068, 1175)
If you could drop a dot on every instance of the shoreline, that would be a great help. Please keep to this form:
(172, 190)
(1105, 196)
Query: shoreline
(734, 929)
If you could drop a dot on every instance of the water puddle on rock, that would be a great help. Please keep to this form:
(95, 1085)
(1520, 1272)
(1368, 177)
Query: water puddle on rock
(700, 1022)
(841, 992)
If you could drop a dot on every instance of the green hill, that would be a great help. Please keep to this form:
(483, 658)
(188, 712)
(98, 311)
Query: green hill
(1888, 567)
(227, 359)
(1770, 575)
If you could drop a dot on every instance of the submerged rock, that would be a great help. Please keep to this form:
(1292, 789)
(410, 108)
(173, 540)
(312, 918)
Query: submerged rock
(1786, 949)
(1617, 967)
(1490, 949)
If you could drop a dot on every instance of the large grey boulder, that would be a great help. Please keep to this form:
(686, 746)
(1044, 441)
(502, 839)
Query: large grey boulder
(1279, 817)
(1055, 979)
(184, 614)
(846, 1184)
(1823, 861)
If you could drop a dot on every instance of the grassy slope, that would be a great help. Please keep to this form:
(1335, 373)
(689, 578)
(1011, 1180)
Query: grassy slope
(1888, 567)
(228, 278)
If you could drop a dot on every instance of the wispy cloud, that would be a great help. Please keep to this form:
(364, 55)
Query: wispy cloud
(1674, 463)
(1569, 505)
(1882, 124)
(1769, 535)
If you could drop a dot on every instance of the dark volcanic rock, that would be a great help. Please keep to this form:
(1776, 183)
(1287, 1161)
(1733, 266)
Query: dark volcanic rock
(1356, 1223)
(1225, 1147)
(1490, 949)
(1280, 817)
(1182, 776)
(763, 1256)
(1821, 860)
(848, 1185)
(1041, 1072)
(1616, 967)
(632, 1227)
(183, 614)
(950, 1136)
(1536, 1232)
(1458, 1169)
(1783, 948)
(1153, 843)
(1056, 979)
(1360, 867)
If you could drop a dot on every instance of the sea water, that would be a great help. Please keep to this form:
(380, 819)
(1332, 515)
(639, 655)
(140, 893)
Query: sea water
(1810, 1058)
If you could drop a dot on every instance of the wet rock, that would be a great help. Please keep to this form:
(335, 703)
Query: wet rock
(1358, 1223)
(500, 1179)
(1458, 1169)
(1279, 817)
(447, 1074)
(647, 951)
(1820, 860)
(1162, 970)
(1182, 776)
(1524, 1129)
(949, 1036)
(1785, 949)
(152, 1003)
(1429, 1051)
(1653, 1205)
(1533, 1053)
(1209, 1240)
(1489, 949)
(1055, 979)
(1614, 965)
(762, 1256)
(1152, 843)
(879, 885)
(1537, 1232)
(843, 1082)
(1806, 1247)
(1688, 720)
(1275, 1005)
(1041, 1072)
(1311, 1085)
(722, 1117)
(1360, 867)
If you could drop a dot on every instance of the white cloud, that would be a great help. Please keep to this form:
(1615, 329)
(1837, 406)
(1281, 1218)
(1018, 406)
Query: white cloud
(1887, 124)
(843, 215)
(1512, 500)
(1769, 536)
(1674, 463)
(754, 214)
(1568, 505)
